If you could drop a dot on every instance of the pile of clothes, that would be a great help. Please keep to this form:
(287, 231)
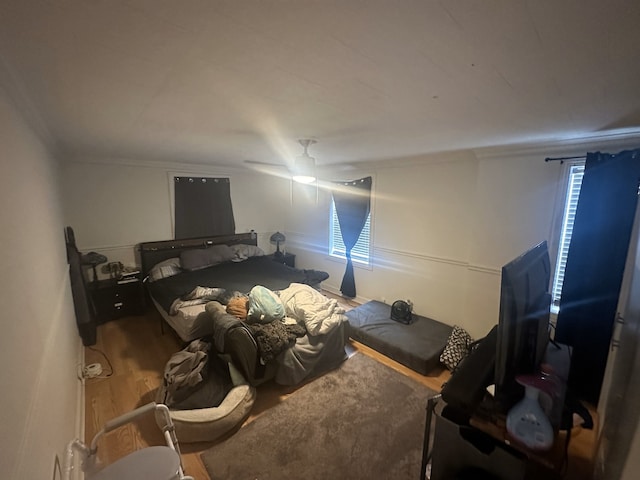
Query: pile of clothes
(195, 378)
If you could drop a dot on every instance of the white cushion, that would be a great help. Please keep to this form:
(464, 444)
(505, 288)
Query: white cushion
(208, 424)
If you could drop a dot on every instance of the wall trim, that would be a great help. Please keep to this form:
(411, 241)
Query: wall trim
(438, 259)
(567, 147)
(617, 139)
(484, 269)
(81, 411)
(336, 291)
(297, 239)
(422, 256)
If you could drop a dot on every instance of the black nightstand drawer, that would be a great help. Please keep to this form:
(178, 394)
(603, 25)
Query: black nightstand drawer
(115, 299)
(286, 258)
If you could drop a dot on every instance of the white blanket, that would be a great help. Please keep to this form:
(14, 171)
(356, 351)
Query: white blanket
(198, 296)
(319, 314)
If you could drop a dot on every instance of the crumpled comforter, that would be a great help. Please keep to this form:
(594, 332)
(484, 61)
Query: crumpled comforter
(319, 314)
(321, 349)
(201, 296)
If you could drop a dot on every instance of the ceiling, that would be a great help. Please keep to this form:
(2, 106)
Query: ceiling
(223, 82)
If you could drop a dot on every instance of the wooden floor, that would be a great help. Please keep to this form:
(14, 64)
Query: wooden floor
(138, 350)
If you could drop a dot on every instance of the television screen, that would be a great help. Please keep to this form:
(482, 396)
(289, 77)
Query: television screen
(523, 324)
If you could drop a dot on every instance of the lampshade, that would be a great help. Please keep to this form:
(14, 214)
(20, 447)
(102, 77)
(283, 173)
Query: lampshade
(93, 259)
(304, 167)
(277, 238)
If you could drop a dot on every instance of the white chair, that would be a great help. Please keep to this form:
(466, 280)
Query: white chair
(156, 462)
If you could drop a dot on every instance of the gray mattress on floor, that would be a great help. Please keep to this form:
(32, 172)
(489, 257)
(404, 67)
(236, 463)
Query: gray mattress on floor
(417, 345)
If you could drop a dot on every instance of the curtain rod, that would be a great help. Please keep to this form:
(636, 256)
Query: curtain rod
(562, 159)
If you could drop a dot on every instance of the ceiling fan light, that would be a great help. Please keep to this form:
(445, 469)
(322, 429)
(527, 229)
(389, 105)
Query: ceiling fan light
(304, 170)
(304, 179)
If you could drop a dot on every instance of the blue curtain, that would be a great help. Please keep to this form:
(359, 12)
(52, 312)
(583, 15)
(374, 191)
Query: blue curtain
(203, 207)
(595, 265)
(352, 200)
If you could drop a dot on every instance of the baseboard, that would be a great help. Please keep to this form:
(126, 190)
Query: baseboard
(336, 291)
(80, 407)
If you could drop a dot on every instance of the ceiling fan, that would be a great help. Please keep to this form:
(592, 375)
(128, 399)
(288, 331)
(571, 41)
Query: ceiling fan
(304, 165)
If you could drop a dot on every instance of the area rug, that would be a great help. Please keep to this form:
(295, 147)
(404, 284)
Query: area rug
(363, 420)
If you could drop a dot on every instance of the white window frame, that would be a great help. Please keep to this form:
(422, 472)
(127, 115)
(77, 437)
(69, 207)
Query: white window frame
(575, 174)
(361, 252)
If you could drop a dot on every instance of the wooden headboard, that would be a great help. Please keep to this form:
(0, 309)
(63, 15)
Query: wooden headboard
(154, 252)
(82, 304)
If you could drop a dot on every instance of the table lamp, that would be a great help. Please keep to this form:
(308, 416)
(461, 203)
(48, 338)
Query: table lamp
(93, 259)
(278, 238)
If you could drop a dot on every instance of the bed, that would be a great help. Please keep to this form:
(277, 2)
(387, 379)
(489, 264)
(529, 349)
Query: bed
(183, 277)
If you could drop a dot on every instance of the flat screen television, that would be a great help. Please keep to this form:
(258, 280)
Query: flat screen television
(523, 324)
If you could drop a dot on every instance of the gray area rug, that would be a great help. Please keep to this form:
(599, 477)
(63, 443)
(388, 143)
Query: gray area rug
(361, 421)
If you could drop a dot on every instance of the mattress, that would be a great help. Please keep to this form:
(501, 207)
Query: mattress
(189, 322)
(417, 345)
(240, 277)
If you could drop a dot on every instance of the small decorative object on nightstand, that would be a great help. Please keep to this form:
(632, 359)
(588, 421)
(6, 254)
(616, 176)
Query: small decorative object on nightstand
(286, 258)
(118, 297)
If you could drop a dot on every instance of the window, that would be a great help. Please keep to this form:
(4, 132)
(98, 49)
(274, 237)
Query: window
(361, 251)
(576, 172)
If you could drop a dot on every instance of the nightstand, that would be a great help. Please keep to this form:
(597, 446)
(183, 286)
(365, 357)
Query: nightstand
(286, 258)
(115, 298)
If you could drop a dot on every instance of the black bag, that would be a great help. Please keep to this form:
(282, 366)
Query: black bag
(401, 312)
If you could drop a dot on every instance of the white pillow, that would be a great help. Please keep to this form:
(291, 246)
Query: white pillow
(243, 251)
(164, 269)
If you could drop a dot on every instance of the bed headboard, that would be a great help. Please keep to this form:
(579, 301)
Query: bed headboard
(82, 304)
(154, 252)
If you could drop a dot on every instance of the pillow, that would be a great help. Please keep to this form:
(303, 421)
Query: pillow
(457, 347)
(205, 257)
(242, 251)
(264, 306)
(164, 269)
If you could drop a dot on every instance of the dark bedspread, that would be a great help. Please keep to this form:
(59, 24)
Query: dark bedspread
(240, 276)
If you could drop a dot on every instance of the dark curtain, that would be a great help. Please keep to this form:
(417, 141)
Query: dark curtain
(595, 265)
(352, 200)
(203, 207)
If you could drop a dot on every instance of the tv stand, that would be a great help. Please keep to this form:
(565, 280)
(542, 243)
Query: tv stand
(480, 447)
(479, 442)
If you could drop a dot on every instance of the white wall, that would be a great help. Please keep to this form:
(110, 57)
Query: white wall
(113, 207)
(40, 343)
(443, 225)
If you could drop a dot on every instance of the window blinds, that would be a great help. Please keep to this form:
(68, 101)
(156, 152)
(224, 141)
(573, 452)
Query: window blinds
(361, 250)
(576, 172)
